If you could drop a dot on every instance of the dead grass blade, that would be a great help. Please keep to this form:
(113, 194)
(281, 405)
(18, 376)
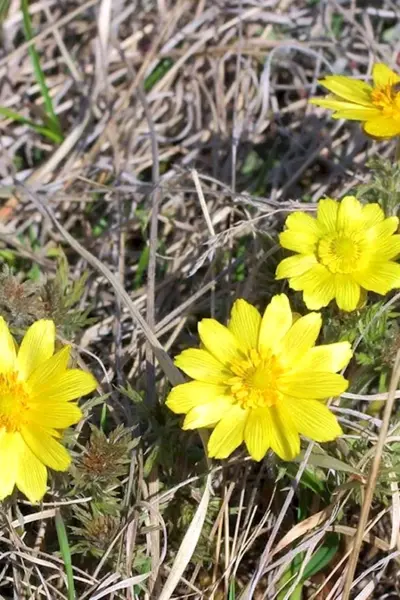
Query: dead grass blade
(369, 491)
(188, 544)
(171, 372)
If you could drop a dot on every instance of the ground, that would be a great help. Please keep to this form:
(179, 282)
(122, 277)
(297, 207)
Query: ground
(151, 152)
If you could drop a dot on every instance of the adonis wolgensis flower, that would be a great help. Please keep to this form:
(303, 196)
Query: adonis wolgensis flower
(261, 380)
(36, 390)
(376, 105)
(347, 250)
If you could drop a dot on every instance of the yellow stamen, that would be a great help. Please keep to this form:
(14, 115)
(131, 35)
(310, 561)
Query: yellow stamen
(255, 382)
(340, 253)
(387, 99)
(14, 402)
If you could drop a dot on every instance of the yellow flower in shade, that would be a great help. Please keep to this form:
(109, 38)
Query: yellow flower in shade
(261, 380)
(377, 105)
(343, 253)
(36, 390)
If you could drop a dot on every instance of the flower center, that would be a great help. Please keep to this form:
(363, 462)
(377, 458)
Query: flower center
(14, 402)
(387, 99)
(255, 382)
(340, 253)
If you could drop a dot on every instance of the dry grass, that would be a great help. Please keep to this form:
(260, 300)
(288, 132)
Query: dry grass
(188, 137)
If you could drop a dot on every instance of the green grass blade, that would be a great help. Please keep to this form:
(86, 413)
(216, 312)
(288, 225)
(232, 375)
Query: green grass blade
(42, 129)
(4, 6)
(53, 119)
(157, 74)
(65, 553)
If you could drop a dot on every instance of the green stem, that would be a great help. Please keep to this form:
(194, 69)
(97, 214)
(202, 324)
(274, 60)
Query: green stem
(65, 553)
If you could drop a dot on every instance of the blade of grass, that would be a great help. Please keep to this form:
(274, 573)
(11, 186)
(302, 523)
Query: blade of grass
(53, 119)
(4, 7)
(42, 129)
(65, 553)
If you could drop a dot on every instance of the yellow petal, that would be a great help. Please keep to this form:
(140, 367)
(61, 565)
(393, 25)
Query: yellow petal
(50, 369)
(310, 279)
(200, 364)
(10, 445)
(300, 338)
(352, 90)
(349, 214)
(314, 420)
(209, 414)
(276, 321)
(329, 357)
(318, 285)
(382, 75)
(295, 265)
(379, 277)
(54, 414)
(31, 475)
(36, 347)
(284, 438)
(228, 434)
(362, 113)
(7, 345)
(346, 110)
(312, 384)
(382, 231)
(327, 214)
(304, 243)
(186, 396)
(372, 214)
(347, 292)
(382, 127)
(72, 384)
(317, 295)
(304, 223)
(388, 249)
(245, 324)
(45, 448)
(219, 341)
(256, 433)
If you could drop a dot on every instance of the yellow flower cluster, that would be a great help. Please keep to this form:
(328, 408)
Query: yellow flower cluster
(262, 380)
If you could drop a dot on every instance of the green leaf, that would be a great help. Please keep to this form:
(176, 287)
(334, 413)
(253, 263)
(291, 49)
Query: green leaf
(151, 460)
(4, 8)
(11, 114)
(141, 268)
(309, 480)
(54, 122)
(232, 593)
(322, 557)
(288, 578)
(319, 560)
(65, 553)
(157, 74)
(325, 461)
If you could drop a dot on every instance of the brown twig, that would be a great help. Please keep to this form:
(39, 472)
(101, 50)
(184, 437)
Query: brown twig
(370, 488)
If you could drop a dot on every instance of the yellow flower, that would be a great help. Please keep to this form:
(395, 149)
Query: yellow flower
(261, 380)
(378, 106)
(343, 253)
(35, 393)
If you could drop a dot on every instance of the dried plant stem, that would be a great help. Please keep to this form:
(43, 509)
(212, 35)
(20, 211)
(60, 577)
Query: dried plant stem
(369, 492)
